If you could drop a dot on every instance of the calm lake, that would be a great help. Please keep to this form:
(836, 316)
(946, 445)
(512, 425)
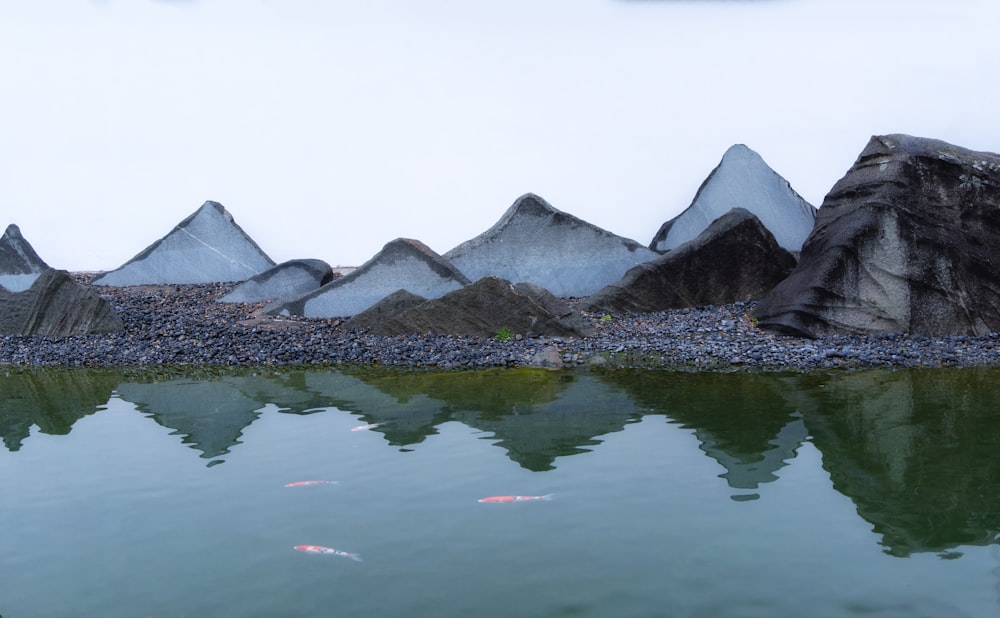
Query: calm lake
(165, 494)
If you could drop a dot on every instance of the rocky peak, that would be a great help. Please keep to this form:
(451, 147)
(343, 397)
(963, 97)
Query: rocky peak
(742, 180)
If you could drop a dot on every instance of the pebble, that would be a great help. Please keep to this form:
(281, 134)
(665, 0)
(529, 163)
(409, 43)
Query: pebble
(184, 325)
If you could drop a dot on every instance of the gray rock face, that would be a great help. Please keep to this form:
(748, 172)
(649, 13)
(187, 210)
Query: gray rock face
(907, 242)
(735, 259)
(479, 309)
(55, 306)
(19, 264)
(742, 180)
(403, 264)
(206, 247)
(535, 243)
(286, 280)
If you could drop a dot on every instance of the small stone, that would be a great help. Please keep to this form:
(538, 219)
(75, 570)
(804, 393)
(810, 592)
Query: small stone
(548, 357)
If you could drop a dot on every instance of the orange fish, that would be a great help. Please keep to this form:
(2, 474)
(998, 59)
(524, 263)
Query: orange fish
(329, 551)
(307, 483)
(505, 499)
(364, 427)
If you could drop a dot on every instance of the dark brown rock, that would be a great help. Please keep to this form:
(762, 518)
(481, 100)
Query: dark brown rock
(480, 309)
(735, 259)
(908, 241)
(386, 309)
(55, 306)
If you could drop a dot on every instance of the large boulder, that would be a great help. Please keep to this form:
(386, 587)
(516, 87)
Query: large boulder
(535, 243)
(288, 279)
(742, 180)
(736, 258)
(480, 309)
(19, 264)
(206, 247)
(55, 306)
(908, 241)
(402, 264)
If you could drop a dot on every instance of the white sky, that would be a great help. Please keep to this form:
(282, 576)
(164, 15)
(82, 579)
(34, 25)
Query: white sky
(330, 127)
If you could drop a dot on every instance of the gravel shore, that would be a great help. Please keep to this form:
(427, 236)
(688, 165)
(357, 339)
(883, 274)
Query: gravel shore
(184, 325)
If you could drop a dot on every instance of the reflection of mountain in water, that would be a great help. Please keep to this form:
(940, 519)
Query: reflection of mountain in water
(212, 411)
(915, 450)
(535, 415)
(51, 399)
(742, 421)
(565, 426)
(211, 415)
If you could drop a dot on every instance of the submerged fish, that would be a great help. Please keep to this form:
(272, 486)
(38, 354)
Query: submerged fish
(307, 483)
(499, 499)
(319, 549)
(364, 427)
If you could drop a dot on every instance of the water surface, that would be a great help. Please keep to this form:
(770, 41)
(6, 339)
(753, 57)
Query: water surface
(160, 494)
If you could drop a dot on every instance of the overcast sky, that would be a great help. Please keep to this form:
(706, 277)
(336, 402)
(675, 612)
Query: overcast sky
(331, 127)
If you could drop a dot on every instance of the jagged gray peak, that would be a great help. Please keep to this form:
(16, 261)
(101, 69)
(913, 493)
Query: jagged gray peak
(206, 247)
(534, 242)
(742, 180)
(403, 264)
(19, 264)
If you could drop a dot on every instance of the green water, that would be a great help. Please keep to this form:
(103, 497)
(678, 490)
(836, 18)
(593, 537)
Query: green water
(161, 494)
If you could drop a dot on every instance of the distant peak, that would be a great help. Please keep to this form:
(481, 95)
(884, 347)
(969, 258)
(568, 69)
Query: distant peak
(741, 152)
(530, 201)
(213, 204)
(12, 232)
(409, 245)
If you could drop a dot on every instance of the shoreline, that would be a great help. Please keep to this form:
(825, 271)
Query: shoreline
(183, 325)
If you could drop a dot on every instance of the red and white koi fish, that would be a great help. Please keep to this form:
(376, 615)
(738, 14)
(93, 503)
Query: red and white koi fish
(308, 483)
(505, 499)
(329, 551)
(365, 427)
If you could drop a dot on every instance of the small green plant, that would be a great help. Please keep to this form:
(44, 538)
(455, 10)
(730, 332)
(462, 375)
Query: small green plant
(504, 334)
(605, 318)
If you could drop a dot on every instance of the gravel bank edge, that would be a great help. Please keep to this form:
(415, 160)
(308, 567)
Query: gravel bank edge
(185, 325)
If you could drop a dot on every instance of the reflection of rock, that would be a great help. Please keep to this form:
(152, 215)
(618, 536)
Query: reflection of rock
(210, 414)
(535, 415)
(740, 420)
(408, 417)
(479, 309)
(56, 306)
(566, 425)
(52, 400)
(19, 264)
(735, 259)
(539, 244)
(915, 450)
(206, 247)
